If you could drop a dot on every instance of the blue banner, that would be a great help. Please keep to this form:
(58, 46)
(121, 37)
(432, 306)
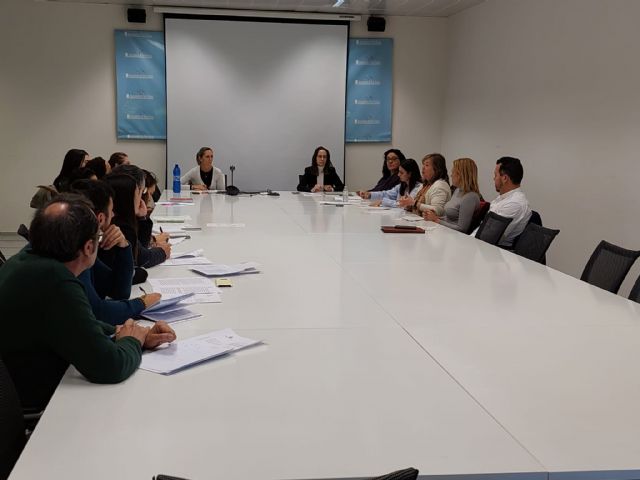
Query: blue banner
(140, 85)
(369, 90)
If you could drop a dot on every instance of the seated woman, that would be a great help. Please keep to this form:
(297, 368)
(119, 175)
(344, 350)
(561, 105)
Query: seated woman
(320, 176)
(145, 224)
(392, 160)
(99, 166)
(458, 212)
(204, 176)
(435, 191)
(118, 158)
(128, 206)
(406, 190)
(74, 159)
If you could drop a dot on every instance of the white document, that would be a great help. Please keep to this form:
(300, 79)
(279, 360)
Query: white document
(411, 217)
(170, 218)
(173, 262)
(185, 353)
(191, 254)
(228, 225)
(205, 291)
(171, 315)
(178, 240)
(222, 270)
(170, 227)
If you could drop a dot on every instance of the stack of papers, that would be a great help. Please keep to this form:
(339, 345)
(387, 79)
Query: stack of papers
(225, 270)
(171, 218)
(169, 310)
(186, 353)
(204, 291)
(412, 217)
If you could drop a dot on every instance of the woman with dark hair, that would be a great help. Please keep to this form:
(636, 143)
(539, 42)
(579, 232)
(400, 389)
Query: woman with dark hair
(320, 176)
(204, 176)
(74, 158)
(145, 224)
(100, 166)
(127, 207)
(435, 191)
(392, 160)
(409, 185)
(82, 173)
(118, 158)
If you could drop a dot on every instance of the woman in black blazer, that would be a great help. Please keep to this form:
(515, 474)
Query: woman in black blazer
(320, 176)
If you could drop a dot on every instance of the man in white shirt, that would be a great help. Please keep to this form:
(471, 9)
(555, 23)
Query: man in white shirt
(511, 202)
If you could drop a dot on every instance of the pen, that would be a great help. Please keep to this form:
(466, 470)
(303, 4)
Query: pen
(143, 290)
(161, 231)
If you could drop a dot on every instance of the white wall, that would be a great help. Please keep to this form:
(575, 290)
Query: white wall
(554, 82)
(57, 91)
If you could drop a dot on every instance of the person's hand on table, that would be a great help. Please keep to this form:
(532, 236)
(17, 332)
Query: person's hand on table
(316, 188)
(150, 299)
(160, 333)
(328, 188)
(430, 216)
(405, 201)
(365, 195)
(199, 187)
(132, 329)
(112, 237)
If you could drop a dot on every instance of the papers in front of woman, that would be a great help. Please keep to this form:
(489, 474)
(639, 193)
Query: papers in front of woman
(186, 353)
(411, 217)
(171, 218)
(220, 270)
(187, 258)
(170, 310)
(203, 289)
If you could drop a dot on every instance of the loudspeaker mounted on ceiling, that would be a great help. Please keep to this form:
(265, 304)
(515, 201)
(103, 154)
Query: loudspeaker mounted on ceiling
(136, 15)
(376, 24)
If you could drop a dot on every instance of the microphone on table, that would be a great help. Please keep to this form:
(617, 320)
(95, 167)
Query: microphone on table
(231, 189)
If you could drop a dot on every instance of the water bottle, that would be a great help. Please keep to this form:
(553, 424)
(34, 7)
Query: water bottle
(176, 180)
(345, 195)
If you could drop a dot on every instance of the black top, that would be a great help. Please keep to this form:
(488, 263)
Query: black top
(386, 183)
(207, 177)
(309, 180)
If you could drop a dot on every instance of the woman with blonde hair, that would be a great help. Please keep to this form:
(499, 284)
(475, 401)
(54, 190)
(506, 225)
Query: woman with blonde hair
(458, 212)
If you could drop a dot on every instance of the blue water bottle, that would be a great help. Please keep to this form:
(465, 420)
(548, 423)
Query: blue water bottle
(176, 179)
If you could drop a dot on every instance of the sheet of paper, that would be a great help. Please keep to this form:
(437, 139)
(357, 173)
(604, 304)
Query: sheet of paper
(230, 339)
(219, 270)
(178, 240)
(180, 355)
(191, 254)
(170, 227)
(411, 217)
(170, 218)
(226, 225)
(171, 316)
(167, 303)
(175, 262)
(203, 288)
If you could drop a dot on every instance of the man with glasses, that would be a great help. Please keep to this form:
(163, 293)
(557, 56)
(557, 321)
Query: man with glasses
(47, 322)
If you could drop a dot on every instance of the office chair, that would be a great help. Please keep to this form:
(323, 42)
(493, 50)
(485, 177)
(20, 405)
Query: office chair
(492, 228)
(2, 259)
(534, 242)
(23, 231)
(478, 215)
(608, 265)
(635, 292)
(12, 431)
(406, 474)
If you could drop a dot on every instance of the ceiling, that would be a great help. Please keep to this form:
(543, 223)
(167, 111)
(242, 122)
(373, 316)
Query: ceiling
(413, 8)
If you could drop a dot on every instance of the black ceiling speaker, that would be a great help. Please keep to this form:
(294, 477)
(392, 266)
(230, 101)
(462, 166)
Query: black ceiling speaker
(136, 15)
(376, 24)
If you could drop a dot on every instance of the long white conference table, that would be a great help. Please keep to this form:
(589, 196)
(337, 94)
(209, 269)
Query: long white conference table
(381, 351)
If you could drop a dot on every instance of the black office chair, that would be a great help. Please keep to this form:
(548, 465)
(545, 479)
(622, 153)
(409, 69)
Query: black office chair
(635, 292)
(406, 474)
(23, 231)
(2, 259)
(12, 431)
(608, 266)
(534, 242)
(492, 228)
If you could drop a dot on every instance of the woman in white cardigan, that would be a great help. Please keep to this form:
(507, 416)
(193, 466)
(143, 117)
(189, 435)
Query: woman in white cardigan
(435, 191)
(204, 176)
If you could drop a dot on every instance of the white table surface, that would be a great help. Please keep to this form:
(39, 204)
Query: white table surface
(381, 351)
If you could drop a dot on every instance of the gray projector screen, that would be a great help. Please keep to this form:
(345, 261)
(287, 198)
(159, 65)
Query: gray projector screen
(264, 95)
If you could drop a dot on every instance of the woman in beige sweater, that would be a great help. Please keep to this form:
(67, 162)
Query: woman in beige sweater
(435, 191)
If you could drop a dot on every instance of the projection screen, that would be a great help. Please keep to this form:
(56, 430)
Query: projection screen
(263, 94)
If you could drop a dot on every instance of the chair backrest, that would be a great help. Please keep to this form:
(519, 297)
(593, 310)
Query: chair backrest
(2, 259)
(478, 215)
(492, 228)
(608, 266)
(635, 291)
(534, 242)
(23, 231)
(406, 474)
(12, 431)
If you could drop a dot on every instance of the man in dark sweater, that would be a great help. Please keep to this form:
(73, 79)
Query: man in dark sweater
(46, 319)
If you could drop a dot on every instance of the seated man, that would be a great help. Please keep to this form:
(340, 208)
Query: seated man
(46, 319)
(511, 202)
(101, 281)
